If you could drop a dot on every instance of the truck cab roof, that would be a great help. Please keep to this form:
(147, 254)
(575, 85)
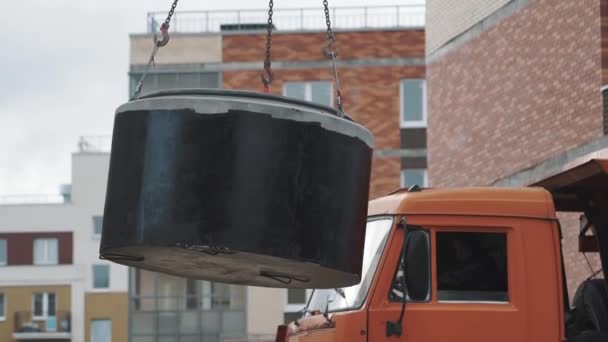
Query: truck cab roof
(482, 201)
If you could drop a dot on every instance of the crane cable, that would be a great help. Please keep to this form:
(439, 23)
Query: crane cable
(158, 43)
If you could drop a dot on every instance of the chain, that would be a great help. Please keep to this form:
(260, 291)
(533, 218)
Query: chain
(158, 43)
(267, 71)
(332, 53)
(171, 11)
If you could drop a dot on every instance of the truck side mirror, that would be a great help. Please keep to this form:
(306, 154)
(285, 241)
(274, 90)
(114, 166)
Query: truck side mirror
(418, 265)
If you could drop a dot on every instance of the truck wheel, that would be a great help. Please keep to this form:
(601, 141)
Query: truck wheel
(591, 303)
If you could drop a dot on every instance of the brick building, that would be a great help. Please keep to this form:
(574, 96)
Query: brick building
(515, 94)
(382, 76)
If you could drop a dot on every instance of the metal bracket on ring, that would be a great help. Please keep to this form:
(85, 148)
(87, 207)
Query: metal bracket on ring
(266, 76)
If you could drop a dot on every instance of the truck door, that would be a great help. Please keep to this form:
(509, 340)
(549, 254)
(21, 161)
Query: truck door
(470, 293)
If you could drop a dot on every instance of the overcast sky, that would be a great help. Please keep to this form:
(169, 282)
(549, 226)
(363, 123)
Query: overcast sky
(63, 71)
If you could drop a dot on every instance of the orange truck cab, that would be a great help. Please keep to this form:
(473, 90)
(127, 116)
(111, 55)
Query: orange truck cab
(479, 264)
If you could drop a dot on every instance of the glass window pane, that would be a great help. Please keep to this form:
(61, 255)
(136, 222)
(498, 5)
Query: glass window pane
(296, 90)
(2, 305)
(101, 276)
(188, 80)
(220, 295)
(191, 294)
(97, 225)
(472, 266)
(143, 323)
(321, 93)
(412, 177)
(167, 81)
(101, 331)
(412, 97)
(3, 252)
(53, 251)
(210, 80)
(233, 323)
(237, 297)
(39, 251)
(38, 304)
(296, 296)
(167, 323)
(46, 251)
(52, 309)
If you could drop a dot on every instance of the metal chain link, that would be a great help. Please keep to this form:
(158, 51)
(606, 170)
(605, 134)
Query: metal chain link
(332, 53)
(158, 43)
(266, 74)
(171, 11)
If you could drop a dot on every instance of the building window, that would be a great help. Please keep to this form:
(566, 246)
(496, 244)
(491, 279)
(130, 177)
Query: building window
(97, 224)
(44, 305)
(413, 103)
(296, 299)
(101, 330)
(3, 252)
(46, 252)
(410, 177)
(101, 276)
(2, 307)
(318, 92)
(472, 267)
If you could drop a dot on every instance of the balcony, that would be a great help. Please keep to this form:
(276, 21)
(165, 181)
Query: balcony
(28, 327)
(293, 19)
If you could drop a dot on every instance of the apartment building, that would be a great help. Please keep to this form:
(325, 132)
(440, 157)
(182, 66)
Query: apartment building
(53, 287)
(516, 94)
(382, 75)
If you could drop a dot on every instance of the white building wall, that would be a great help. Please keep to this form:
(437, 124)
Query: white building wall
(89, 180)
(446, 19)
(89, 177)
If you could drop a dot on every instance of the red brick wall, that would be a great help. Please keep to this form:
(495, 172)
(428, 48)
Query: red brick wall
(370, 94)
(604, 20)
(521, 92)
(309, 46)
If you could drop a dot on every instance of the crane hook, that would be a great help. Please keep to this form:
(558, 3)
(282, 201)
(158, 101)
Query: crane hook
(164, 30)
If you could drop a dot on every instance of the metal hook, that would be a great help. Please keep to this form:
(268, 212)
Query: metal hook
(328, 50)
(164, 30)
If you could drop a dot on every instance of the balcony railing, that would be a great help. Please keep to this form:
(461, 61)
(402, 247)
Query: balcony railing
(32, 199)
(292, 19)
(95, 143)
(28, 325)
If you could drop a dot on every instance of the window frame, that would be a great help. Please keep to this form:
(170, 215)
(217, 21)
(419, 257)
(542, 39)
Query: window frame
(3, 307)
(429, 297)
(4, 261)
(45, 305)
(92, 322)
(46, 252)
(425, 175)
(412, 124)
(308, 90)
(475, 230)
(93, 267)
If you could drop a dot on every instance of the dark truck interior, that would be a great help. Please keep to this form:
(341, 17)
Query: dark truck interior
(584, 189)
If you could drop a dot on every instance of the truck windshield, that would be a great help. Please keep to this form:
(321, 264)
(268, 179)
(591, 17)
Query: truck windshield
(353, 297)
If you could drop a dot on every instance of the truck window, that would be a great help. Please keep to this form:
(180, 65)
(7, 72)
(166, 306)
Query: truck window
(472, 267)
